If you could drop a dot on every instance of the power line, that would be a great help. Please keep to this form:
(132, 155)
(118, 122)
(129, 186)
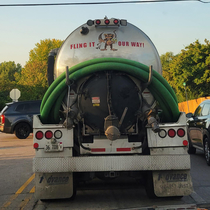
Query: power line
(94, 3)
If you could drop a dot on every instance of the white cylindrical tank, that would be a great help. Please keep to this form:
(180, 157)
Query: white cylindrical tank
(112, 40)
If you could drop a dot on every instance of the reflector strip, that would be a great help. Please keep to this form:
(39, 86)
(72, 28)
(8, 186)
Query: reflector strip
(98, 150)
(123, 149)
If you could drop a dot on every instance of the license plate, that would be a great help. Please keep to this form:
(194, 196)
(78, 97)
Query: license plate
(54, 147)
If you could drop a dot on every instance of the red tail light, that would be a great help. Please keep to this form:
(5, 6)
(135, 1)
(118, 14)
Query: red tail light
(98, 22)
(116, 21)
(48, 134)
(2, 119)
(171, 133)
(39, 135)
(36, 145)
(180, 132)
(106, 21)
(185, 142)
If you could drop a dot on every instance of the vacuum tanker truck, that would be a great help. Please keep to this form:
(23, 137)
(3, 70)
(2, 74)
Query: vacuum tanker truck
(108, 112)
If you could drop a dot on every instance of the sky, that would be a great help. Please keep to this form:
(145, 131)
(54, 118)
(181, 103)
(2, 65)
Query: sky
(170, 25)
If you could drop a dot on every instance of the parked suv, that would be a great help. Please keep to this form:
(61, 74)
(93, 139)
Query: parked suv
(17, 117)
(199, 130)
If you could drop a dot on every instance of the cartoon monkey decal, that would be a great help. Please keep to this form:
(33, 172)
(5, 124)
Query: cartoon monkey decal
(109, 40)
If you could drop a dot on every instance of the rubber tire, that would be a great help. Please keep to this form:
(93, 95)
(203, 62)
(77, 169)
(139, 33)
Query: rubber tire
(149, 185)
(74, 194)
(191, 149)
(22, 130)
(207, 150)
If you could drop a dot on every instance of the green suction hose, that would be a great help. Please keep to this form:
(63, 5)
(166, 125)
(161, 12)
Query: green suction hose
(159, 87)
(100, 60)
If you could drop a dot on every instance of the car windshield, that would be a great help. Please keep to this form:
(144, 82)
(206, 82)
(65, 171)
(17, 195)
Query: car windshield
(198, 111)
(205, 110)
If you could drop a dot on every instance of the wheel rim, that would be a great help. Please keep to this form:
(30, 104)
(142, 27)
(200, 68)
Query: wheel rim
(23, 131)
(206, 148)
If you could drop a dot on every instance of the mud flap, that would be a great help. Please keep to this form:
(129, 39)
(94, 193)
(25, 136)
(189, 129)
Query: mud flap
(172, 183)
(53, 185)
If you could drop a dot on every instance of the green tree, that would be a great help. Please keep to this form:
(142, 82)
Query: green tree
(166, 59)
(7, 80)
(8, 69)
(191, 66)
(32, 80)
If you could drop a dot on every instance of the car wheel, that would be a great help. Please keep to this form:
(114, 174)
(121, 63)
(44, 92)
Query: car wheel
(191, 149)
(22, 130)
(149, 185)
(207, 150)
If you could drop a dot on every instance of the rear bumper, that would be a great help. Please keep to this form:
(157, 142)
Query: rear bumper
(112, 163)
(5, 129)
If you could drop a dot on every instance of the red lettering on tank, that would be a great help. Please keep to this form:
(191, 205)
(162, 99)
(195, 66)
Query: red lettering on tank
(120, 43)
(133, 44)
(78, 45)
(123, 43)
(137, 44)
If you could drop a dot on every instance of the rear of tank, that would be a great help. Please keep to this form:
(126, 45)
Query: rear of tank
(96, 39)
(109, 102)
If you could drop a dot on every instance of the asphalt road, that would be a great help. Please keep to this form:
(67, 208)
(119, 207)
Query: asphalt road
(17, 185)
(15, 169)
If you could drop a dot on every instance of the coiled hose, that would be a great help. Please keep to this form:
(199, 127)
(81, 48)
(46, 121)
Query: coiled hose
(159, 87)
